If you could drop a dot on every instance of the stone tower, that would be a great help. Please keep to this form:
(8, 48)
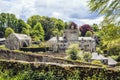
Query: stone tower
(71, 34)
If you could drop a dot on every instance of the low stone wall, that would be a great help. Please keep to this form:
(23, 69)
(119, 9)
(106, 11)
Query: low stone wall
(12, 55)
(60, 71)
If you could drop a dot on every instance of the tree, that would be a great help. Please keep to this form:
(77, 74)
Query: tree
(111, 9)
(95, 27)
(38, 32)
(84, 28)
(7, 19)
(88, 34)
(26, 29)
(110, 38)
(8, 31)
(48, 24)
(73, 51)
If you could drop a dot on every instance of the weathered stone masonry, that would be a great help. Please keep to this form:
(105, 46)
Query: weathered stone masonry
(12, 55)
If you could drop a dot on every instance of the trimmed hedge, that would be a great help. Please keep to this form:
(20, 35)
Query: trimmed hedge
(42, 49)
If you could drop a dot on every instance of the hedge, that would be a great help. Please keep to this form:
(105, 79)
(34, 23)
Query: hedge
(41, 49)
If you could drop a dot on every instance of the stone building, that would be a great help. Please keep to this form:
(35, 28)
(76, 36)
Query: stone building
(71, 36)
(16, 41)
(105, 60)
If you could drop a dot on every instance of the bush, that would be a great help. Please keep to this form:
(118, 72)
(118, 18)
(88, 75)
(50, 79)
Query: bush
(73, 51)
(8, 31)
(43, 49)
(97, 62)
(88, 34)
(87, 56)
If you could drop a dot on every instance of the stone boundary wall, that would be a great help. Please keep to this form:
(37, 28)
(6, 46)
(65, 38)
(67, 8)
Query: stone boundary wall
(59, 70)
(12, 55)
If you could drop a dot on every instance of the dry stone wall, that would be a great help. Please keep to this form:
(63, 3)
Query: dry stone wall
(12, 55)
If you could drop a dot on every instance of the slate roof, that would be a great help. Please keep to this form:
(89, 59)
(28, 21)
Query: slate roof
(97, 56)
(54, 39)
(85, 38)
(111, 61)
(21, 36)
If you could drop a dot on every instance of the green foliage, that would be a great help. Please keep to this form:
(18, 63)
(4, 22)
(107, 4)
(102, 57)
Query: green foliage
(107, 7)
(51, 26)
(99, 50)
(75, 76)
(88, 34)
(87, 56)
(38, 32)
(73, 51)
(110, 38)
(3, 47)
(95, 27)
(115, 57)
(25, 71)
(7, 19)
(97, 62)
(8, 31)
(26, 29)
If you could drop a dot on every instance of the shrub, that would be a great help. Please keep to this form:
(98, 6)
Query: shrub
(87, 56)
(88, 34)
(73, 51)
(96, 62)
(8, 31)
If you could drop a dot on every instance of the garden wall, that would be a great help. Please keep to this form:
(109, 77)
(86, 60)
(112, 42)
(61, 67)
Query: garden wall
(12, 55)
(61, 72)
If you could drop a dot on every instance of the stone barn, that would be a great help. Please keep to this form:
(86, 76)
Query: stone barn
(16, 41)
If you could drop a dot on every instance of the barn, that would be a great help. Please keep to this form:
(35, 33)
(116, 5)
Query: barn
(16, 41)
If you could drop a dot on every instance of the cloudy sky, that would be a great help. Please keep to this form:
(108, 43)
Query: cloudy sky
(67, 10)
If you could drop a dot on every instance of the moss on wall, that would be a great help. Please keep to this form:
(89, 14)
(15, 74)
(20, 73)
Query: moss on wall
(37, 71)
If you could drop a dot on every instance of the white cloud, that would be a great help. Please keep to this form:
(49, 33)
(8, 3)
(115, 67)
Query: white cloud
(92, 21)
(68, 10)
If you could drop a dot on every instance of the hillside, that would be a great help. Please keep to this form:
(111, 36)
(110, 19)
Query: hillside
(22, 66)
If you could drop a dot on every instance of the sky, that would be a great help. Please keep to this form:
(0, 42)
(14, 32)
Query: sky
(67, 10)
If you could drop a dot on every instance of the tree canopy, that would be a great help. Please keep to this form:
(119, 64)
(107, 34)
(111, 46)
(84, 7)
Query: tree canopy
(50, 25)
(109, 8)
(38, 32)
(8, 31)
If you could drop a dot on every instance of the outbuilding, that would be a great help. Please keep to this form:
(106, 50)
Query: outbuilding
(16, 41)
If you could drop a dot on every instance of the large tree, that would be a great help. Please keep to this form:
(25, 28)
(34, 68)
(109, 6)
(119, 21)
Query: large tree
(109, 8)
(110, 33)
(26, 29)
(110, 38)
(49, 24)
(7, 19)
(38, 32)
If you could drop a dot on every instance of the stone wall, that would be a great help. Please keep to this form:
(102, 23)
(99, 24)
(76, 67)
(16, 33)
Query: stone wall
(85, 72)
(12, 55)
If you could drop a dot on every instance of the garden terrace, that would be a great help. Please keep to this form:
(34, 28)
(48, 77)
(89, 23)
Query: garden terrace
(63, 71)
